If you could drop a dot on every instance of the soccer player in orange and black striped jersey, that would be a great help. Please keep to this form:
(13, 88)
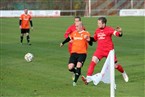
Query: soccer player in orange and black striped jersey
(25, 26)
(78, 56)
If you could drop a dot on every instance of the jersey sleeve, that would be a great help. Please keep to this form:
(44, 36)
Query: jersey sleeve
(114, 32)
(71, 36)
(88, 34)
(21, 17)
(30, 17)
(67, 33)
(95, 36)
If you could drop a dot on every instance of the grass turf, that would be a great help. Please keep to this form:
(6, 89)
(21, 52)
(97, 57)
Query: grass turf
(47, 74)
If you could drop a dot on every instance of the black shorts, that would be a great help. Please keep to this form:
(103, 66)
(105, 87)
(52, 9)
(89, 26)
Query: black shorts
(23, 31)
(74, 58)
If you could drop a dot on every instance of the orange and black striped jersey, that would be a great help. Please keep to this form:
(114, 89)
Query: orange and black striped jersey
(79, 43)
(25, 18)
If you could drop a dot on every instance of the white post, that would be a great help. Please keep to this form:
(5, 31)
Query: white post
(112, 75)
(131, 4)
(89, 8)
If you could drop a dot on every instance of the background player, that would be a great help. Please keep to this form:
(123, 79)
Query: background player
(24, 26)
(78, 56)
(103, 36)
(71, 29)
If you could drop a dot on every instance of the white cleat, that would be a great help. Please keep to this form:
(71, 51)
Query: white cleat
(126, 79)
(74, 84)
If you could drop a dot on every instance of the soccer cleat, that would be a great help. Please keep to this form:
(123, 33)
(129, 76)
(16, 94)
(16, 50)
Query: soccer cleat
(74, 84)
(125, 76)
(29, 43)
(84, 80)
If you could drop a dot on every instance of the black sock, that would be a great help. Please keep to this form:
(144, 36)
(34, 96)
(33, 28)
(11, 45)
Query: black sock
(72, 70)
(28, 39)
(77, 74)
(21, 39)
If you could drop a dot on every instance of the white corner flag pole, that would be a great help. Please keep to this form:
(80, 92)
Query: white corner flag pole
(112, 74)
(89, 8)
(108, 73)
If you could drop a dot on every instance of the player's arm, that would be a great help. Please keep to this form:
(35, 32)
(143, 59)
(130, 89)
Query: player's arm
(67, 33)
(118, 32)
(65, 41)
(88, 39)
(91, 41)
(31, 23)
(20, 22)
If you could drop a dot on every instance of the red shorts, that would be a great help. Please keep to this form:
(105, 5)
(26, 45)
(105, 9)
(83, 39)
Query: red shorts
(101, 54)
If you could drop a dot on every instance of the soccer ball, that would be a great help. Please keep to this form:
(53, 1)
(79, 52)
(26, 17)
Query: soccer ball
(28, 57)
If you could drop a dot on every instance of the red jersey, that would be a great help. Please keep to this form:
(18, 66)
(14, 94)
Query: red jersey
(104, 38)
(70, 29)
(25, 21)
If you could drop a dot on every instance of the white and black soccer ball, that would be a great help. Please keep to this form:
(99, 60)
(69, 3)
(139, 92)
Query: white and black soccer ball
(28, 57)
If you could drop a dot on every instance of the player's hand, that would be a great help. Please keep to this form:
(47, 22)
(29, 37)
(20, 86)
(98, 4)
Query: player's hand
(87, 37)
(20, 27)
(70, 41)
(31, 28)
(61, 45)
(118, 29)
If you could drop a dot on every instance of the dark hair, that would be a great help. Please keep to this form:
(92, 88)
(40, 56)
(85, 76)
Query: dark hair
(103, 19)
(78, 18)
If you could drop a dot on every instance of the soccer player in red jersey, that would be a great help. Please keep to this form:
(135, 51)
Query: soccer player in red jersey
(71, 29)
(25, 26)
(103, 36)
(78, 54)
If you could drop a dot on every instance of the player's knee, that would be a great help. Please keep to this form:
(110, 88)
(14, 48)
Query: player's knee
(22, 35)
(79, 65)
(27, 34)
(70, 66)
(95, 59)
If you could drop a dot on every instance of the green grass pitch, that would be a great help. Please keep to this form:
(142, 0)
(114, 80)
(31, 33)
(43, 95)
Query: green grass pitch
(47, 74)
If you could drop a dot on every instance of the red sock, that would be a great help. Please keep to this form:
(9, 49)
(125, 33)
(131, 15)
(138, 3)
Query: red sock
(120, 68)
(91, 68)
